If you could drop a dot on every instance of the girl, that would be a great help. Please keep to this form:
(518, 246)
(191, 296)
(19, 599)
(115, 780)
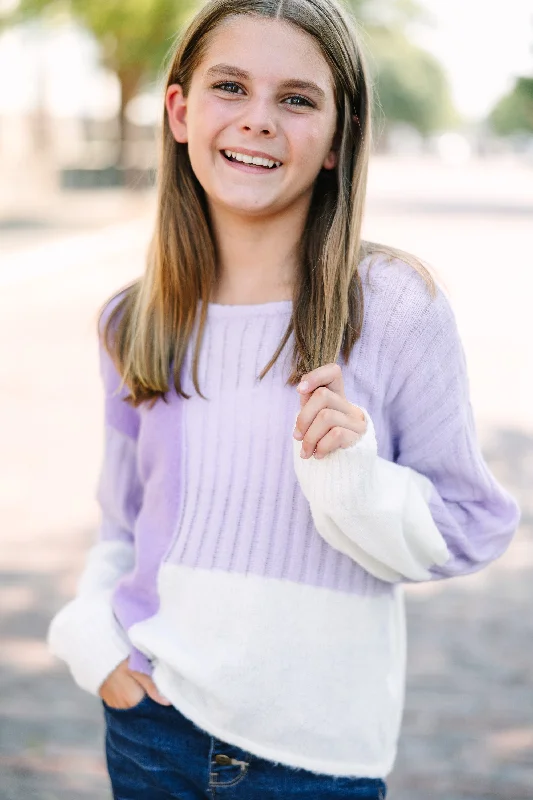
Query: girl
(289, 438)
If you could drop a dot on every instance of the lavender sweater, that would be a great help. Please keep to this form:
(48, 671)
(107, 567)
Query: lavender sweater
(262, 591)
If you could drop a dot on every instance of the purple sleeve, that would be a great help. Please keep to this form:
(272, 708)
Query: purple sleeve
(120, 490)
(434, 433)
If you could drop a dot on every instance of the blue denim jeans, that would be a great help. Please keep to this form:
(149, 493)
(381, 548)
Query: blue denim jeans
(155, 753)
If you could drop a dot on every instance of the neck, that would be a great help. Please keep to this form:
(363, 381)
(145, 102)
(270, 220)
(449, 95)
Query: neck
(257, 258)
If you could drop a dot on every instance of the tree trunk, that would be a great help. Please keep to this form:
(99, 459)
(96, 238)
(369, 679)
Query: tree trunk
(129, 78)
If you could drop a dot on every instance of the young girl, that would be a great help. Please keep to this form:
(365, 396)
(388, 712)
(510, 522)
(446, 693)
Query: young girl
(289, 439)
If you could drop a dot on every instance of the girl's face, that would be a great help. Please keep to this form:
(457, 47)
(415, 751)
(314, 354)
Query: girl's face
(263, 89)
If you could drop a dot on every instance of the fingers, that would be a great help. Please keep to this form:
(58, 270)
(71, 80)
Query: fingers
(334, 439)
(329, 375)
(149, 687)
(324, 409)
(329, 430)
(124, 688)
(320, 399)
(121, 690)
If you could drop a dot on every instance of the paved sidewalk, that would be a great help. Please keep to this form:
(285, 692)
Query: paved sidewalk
(468, 724)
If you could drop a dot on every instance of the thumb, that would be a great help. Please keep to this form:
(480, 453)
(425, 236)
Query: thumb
(150, 688)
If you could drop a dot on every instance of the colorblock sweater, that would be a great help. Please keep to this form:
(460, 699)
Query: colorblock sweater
(262, 591)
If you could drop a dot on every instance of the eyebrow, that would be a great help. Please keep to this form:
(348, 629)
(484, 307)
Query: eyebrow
(293, 83)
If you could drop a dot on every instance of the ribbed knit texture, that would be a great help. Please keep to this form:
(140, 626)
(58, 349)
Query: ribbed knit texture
(242, 507)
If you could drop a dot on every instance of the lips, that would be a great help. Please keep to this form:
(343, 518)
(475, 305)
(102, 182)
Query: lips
(245, 156)
(247, 167)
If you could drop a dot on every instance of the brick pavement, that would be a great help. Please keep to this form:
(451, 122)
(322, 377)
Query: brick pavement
(468, 724)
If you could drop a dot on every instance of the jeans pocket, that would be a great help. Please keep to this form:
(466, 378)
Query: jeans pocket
(145, 699)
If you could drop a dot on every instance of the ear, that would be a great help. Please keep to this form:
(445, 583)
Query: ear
(330, 162)
(176, 105)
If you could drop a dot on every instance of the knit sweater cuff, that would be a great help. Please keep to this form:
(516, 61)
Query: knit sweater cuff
(373, 510)
(86, 634)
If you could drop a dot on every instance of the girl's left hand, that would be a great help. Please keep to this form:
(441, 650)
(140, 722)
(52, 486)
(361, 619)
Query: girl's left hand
(327, 420)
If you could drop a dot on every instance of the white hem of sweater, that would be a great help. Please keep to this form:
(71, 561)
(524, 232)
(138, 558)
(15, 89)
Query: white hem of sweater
(298, 674)
(162, 677)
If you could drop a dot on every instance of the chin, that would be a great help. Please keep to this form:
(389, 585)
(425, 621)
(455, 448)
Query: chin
(246, 206)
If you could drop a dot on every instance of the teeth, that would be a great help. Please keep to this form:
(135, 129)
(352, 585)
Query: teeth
(262, 162)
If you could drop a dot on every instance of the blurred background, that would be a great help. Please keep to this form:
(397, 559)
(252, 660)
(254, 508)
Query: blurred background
(451, 179)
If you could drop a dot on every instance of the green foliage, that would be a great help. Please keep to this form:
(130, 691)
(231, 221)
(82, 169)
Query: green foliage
(387, 14)
(410, 83)
(134, 33)
(514, 112)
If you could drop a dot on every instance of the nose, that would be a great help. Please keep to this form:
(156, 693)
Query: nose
(259, 119)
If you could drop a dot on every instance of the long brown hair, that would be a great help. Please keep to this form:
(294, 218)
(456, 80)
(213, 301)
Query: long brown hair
(154, 320)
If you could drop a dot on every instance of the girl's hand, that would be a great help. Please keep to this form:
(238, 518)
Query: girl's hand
(124, 688)
(327, 420)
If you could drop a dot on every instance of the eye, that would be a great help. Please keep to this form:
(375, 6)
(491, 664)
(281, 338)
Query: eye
(232, 88)
(304, 100)
(224, 86)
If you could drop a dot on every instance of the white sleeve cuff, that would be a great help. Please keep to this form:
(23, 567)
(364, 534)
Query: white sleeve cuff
(86, 634)
(372, 509)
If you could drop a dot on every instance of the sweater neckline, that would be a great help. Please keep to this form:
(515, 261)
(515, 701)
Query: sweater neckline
(225, 310)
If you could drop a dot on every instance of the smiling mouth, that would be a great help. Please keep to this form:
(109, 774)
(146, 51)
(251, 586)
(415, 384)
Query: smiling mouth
(249, 161)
